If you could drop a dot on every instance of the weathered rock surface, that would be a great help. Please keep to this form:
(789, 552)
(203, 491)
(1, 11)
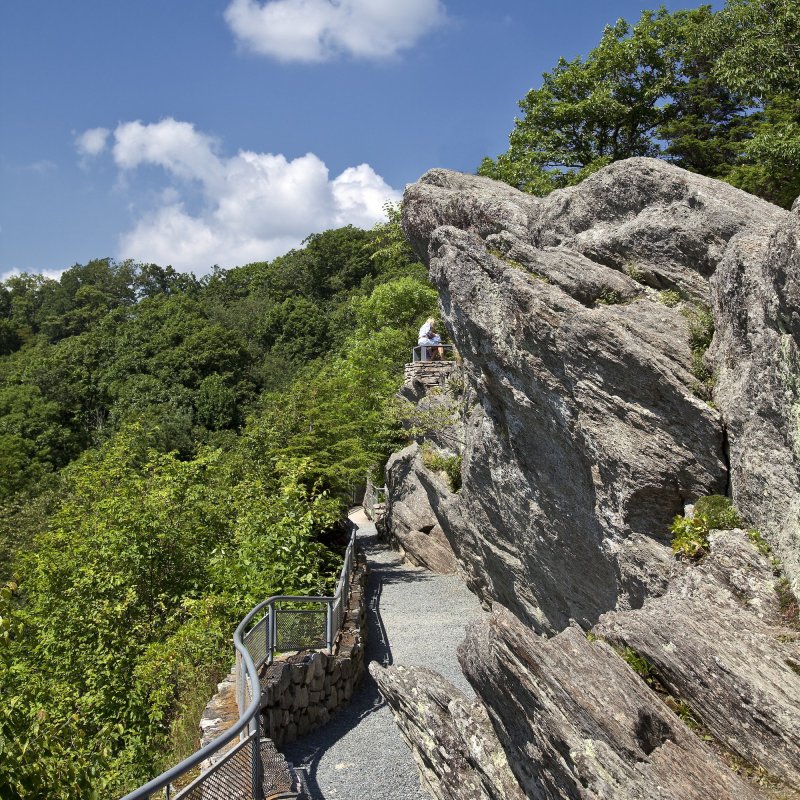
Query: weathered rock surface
(756, 354)
(451, 738)
(415, 497)
(716, 641)
(583, 435)
(576, 722)
(586, 436)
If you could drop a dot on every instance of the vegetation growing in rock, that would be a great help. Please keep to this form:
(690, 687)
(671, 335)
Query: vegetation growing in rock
(609, 297)
(449, 465)
(788, 603)
(690, 534)
(638, 663)
(434, 417)
(759, 541)
(633, 272)
(669, 297)
(701, 332)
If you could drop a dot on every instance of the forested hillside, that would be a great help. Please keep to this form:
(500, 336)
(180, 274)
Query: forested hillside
(173, 451)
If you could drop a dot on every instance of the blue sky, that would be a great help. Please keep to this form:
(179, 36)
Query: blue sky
(201, 132)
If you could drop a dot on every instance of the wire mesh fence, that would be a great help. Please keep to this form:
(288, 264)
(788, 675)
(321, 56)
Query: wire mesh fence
(234, 776)
(301, 629)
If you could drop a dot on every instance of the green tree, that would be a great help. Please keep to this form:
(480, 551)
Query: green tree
(757, 46)
(714, 93)
(591, 112)
(757, 49)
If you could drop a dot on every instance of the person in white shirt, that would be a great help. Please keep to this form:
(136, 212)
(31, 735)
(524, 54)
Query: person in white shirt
(429, 338)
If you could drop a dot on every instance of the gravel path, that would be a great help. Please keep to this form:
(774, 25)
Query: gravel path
(415, 617)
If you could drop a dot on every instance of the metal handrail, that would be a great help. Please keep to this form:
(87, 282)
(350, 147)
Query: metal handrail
(419, 353)
(249, 717)
(375, 501)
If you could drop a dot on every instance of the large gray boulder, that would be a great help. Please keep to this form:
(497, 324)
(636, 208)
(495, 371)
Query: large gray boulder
(576, 722)
(587, 426)
(718, 642)
(588, 432)
(450, 736)
(415, 500)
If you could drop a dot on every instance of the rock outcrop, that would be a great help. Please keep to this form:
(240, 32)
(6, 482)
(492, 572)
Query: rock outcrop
(577, 722)
(756, 298)
(717, 641)
(593, 412)
(418, 496)
(416, 499)
(587, 434)
(451, 738)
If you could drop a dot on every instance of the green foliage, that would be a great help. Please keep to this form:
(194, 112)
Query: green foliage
(715, 93)
(669, 297)
(642, 84)
(701, 332)
(690, 534)
(686, 714)
(449, 465)
(759, 541)
(419, 422)
(772, 167)
(132, 592)
(633, 271)
(609, 297)
(758, 46)
(787, 603)
(689, 537)
(155, 483)
(718, 512)
(638, 663)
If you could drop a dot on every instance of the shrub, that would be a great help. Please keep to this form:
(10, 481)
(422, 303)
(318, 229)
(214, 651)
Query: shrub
(669, 297)
(759, 541)
(450, 465)
(701, 332)
(690, 534)
(609, 297)
(718, 512)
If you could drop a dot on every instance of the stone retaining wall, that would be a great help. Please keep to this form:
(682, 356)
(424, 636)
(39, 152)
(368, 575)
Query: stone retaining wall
(430, 374)
(300, 692)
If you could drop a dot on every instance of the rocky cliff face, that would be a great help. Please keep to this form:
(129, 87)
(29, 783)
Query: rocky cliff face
(595, 411)
(589, 430)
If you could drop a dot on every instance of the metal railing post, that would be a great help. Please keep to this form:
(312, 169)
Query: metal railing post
(273, 631)
(329, 625)
(257, 766)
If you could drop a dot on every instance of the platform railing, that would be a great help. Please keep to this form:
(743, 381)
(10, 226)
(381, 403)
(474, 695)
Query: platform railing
(378, 498)
(307, 623)
(422, 352)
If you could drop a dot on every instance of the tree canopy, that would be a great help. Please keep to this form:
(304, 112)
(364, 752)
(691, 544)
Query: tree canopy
(715, 93)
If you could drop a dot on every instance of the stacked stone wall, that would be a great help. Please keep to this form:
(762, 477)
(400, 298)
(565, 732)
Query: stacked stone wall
(301, 692)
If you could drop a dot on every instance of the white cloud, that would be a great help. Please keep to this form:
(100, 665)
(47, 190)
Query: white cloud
(92, 142)
(255, 205)
(52, 274)
(318, 30)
